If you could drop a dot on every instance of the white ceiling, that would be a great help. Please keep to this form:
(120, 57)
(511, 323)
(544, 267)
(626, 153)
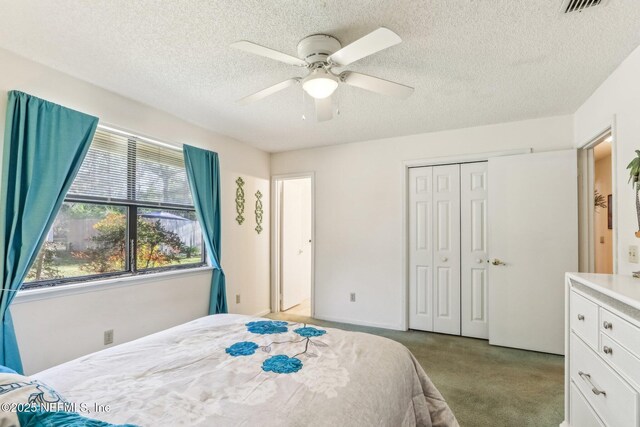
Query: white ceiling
(472, 62)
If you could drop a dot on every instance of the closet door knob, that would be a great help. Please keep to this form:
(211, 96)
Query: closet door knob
(607, 325)
(479, 260)
(444, 259)
(607, 350)
(580, 316)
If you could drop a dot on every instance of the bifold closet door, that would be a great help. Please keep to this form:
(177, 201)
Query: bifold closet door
(421, 248)
(434, 255)
(474, 266)
(446, 253)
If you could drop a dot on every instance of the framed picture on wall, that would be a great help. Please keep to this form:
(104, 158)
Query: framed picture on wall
(609, 212)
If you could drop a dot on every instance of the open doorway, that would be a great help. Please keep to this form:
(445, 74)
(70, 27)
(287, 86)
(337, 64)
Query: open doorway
(597, 205)
(293, 245)
(603, 205)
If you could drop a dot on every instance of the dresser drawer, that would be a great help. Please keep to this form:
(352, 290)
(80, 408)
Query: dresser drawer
(584, 319)
(624, 362)
(582, 414)
(623, 332)
(615, 402)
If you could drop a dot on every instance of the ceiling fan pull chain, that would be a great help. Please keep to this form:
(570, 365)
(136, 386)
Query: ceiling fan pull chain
(304, 117)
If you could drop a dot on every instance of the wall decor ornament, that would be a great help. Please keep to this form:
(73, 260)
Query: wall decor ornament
(634, 179)
(240, 200)
(259, 211)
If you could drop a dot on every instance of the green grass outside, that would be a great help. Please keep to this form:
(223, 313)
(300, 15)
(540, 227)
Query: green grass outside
(70, 267)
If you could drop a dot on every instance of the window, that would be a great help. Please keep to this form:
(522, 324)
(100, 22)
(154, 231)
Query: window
(129, 211)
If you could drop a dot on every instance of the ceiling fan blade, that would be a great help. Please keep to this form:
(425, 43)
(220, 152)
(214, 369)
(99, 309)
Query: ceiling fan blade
(375, 84)
(373, 42)
(269, 53)
(324, 109)
(268, 91)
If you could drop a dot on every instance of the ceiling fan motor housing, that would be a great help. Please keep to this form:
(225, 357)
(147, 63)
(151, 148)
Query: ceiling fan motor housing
(317, 48)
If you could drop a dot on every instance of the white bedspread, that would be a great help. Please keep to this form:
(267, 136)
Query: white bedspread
(184, 376)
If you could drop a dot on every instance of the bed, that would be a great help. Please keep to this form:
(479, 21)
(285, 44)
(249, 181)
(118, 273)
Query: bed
(234, 370)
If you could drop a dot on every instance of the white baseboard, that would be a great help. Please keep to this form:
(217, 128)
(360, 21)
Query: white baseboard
(359, 322)
(263, 313)
(564, 424)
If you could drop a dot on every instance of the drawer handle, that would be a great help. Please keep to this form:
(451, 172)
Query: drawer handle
(607, 350)
(594, 389)
(580, 316)
(607, 325)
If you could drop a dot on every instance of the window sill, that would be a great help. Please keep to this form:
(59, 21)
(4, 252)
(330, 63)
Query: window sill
(101, 285)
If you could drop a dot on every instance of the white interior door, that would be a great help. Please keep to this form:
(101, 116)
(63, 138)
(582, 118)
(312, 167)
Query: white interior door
(295, 241)
(446, 253)
(534, 233)
(421, 248)
(474, 281)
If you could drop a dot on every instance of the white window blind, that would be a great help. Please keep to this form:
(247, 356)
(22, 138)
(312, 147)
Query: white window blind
(133, 171)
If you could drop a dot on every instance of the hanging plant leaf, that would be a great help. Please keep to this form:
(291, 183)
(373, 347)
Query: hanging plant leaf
(634, 179)
(599, 200)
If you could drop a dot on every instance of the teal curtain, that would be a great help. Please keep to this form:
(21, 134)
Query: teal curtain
(44, 146)
(203, 170)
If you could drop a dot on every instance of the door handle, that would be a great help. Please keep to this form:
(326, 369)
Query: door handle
(444, 259)
(496, 261)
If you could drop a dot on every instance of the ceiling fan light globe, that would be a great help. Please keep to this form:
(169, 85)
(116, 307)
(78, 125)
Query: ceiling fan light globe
(320, 88)
(320, 84)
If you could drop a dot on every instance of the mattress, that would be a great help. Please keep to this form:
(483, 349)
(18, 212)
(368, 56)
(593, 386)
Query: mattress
(234, 370)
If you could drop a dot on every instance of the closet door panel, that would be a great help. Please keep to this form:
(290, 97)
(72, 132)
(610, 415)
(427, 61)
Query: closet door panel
(474, 267)
(446, 256)
(421, 244)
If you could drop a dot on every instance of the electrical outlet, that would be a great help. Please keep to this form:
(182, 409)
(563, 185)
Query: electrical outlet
(352, 297)
(237, 298)
(108, 337)
(633, 254)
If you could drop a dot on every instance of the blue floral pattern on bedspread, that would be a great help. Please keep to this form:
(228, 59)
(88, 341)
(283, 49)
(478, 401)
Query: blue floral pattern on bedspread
(264, 327)
(309, 331)
(282, 364)
(243, 348)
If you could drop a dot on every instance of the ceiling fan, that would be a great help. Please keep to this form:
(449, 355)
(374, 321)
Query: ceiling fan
(322, 54)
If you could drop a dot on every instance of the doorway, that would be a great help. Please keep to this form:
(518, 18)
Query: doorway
(293, 245)
(597, 205)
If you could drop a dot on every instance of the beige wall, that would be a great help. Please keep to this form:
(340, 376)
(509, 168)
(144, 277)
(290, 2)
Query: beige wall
(360, 216)
(603, 236)
(59, 329)
(617, 101)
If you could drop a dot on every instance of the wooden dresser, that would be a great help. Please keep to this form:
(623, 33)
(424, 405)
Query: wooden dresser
(602, 351)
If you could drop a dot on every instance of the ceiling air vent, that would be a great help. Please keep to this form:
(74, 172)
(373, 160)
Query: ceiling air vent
(570, 6)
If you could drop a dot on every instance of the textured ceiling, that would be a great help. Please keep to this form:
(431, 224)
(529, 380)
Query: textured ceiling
(472, 62)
